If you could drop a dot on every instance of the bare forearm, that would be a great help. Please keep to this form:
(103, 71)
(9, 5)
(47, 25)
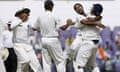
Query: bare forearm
(64, 27)
(93, 19)
(93, 24)
(101, 25)
(88, 22)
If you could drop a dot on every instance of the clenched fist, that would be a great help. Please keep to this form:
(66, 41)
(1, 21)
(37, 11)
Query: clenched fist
(70, 22)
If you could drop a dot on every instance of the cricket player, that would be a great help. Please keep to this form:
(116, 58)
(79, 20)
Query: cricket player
(2, 67)
(6, 39)
(48, 25)
(90, 38)
(2, 26)
(24, 51)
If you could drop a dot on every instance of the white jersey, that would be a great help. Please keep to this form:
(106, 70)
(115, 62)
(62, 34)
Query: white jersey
(2, 26)
(20, 31)
(79, 26)
(47, 24)
(87, 32)
(1, 45)
(6, 38)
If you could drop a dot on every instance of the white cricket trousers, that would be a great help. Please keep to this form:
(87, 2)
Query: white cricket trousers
(3, 56)
(51, 50)
(26, 56)
(74, 48)
(2, 67)
(86, 56)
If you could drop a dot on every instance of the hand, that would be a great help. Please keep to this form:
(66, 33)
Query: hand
(100, 25)
(39, 56)
(70, 22)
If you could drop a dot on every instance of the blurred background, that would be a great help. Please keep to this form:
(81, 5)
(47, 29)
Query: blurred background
(108, 55)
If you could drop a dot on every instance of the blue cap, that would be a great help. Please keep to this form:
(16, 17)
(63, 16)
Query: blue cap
(97, 8)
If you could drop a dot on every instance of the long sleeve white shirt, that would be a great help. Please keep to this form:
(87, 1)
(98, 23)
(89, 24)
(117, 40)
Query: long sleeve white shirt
(6, 39)
(20, 31)
(2, 26)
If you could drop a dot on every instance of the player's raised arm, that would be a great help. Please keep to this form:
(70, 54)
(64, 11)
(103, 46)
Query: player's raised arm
(93, 19)
(15, 22)
(87, 22)
(68, 23)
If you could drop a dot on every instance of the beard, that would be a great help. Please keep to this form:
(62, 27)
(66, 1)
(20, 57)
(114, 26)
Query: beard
(80, 12)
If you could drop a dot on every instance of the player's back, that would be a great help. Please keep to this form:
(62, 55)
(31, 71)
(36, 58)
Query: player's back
(48, 25)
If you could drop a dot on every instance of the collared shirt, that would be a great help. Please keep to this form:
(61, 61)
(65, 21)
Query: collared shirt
(47, 24)
(20, 31)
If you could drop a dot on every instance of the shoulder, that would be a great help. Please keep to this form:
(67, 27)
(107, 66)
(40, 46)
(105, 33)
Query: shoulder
(80, 16)
(41, 16)
(5, 32)
(16, 20)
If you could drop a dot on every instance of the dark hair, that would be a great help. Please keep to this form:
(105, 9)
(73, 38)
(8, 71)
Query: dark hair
(48, 5)
(97, 9)
(9, 25)
(24, 10)
(76, 5)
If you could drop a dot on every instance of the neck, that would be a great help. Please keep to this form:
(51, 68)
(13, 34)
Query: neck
(9, 29)
(49, 10)
(85, 14)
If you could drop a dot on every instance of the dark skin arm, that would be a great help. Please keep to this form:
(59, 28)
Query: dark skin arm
(86, 22)
(101, 25)
(64, 27)
(91, 22)
(97, 18)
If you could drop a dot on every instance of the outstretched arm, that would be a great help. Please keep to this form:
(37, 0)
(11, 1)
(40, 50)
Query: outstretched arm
(97, 18)
(69, 22)
(86, 22)
(91, 21)
(101, 25)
